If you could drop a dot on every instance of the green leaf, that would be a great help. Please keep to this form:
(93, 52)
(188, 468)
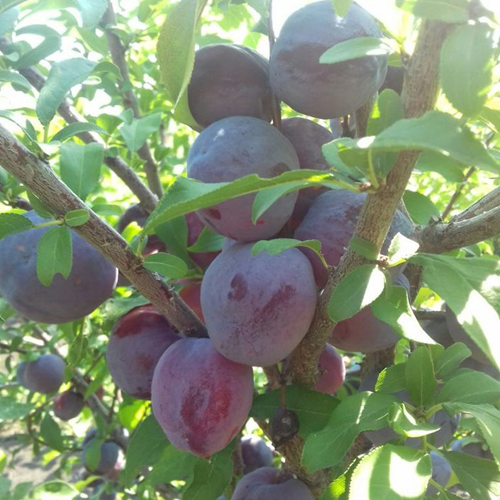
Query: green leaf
(470, 387)
(420, 379)
(391, 379)
(10, 409)
(188, 195)
(449, 168)
(313, 408)
(392, 473)
(98, 377)
(8, 15)
(342, 7)
(278, 245)
(46, 48)
(93, 454)
(145, 448)
(14, 78)
(81, 167)
(173, 465)
(208, 241)
(91, 11)
(451, 359)
(40, 208)
(420, 208)
(401, 249)
(54, 490)
(481, 478)
(435, 131)
(54, 255)
(166, 264)
(339, 488)
(355, 48)
(488, 420)
(448, 11)
(63, 76)
(51, 433)
(266, 199)
(12, 224)
(358, 413)
(75, 129)
(136, 133)
(175, 52)
(211, 477)
(174, 233)
(355, 291)
(76, 218)
(405, 424)
(364, 247)
(388, 109)
(467, 67)
(471, 288)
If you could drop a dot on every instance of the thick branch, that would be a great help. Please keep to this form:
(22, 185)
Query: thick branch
(129, 100)
(117, 165)
(38, 176)
(419, 96)
(440, 238)
(486, 203)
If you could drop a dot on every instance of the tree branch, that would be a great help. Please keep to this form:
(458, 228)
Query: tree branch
(486, 203)
(457, 193)
(129, 100)
(147, 199)
(38, 176)
(440, 238)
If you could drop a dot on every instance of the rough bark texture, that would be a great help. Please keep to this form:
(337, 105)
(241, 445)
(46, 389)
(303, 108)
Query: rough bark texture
(38, 176)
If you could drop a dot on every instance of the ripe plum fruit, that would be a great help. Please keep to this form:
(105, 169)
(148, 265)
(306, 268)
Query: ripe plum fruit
(108, 456)
(441, 472)
(45, 375)
(307, 137)
(324, 90)
(332, 369)
(394, 80)
(229, 80)
(21, 373)
(270, 484)
(191, 295)
(332, 220)
(257, 308)
(255, 453)
(200, 398)
(137, 342)
(90, 283)
(233, 148)
(68, 405)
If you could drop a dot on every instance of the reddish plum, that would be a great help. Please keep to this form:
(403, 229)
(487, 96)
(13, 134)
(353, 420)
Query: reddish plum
(137, 342)
(191, 295)
(332, 220)
(257, 308)
(200, 398)
(270, 484)
(332, 370)
(255, 454)
(68, 405)
(233, 148)
(229, 80)
(325, 90)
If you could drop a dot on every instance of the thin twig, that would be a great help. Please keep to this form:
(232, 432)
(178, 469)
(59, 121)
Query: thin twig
(457, 193)
(147, 199)
(118, 52)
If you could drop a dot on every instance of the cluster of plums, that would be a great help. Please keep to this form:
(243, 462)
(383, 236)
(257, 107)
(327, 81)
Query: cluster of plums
(257, 308)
